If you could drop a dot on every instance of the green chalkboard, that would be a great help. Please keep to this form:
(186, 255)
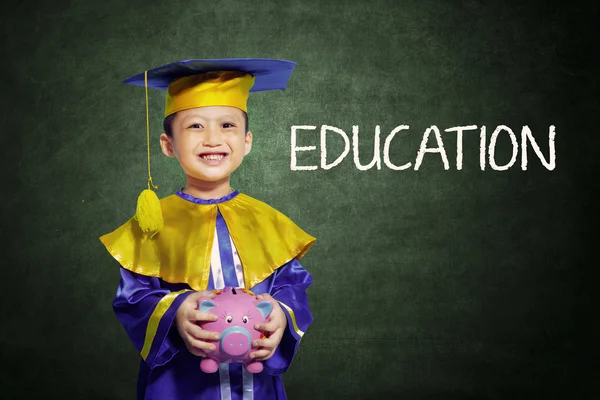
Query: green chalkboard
(436, 276)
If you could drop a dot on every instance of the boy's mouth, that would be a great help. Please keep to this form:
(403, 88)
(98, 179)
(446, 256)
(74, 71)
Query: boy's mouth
(212, 156)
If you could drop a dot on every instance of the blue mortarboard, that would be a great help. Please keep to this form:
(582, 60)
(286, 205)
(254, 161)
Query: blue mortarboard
(269, 74)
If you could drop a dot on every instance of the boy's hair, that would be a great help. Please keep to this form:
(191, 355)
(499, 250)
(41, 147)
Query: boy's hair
(168, 122)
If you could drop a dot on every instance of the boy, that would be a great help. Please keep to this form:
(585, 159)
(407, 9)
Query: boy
(208, 236)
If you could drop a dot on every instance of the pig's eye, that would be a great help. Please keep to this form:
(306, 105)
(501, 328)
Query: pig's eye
(229, 319)
(245, 318)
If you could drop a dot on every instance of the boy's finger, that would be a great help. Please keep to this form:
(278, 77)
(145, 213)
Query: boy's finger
(266, 342)
(202, 316)
(270, 326)
(195, 351)
(207, 293)
(265, 296)
(199, 333)
(201, 345)
(277, 335)
(261, 354)
(198, 295)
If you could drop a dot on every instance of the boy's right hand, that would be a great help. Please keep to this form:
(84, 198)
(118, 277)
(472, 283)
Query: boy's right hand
(187, 318)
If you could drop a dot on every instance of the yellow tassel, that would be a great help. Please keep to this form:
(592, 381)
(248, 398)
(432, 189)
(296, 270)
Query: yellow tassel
(148, 212)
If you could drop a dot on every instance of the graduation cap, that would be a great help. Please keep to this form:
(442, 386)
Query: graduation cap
(203, 83)
(224, 82)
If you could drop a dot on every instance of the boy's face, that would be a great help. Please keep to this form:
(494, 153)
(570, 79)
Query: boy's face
(209, 142)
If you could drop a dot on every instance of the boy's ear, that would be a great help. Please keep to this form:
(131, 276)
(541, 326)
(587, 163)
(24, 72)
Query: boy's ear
(166, 145)
(248, 142)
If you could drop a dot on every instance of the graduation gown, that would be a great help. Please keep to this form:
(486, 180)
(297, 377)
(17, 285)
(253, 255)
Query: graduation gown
(191, 253)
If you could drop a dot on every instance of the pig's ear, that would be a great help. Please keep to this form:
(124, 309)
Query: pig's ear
(206, 305)
(265, 308)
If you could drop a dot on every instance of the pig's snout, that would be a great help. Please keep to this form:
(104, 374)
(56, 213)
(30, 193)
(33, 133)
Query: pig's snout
(235, 341)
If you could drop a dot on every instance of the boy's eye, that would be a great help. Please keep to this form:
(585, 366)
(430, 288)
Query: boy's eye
(228, 125)
(195, 126)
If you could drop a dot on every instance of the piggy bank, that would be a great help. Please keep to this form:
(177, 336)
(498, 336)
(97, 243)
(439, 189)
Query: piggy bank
(238, 310)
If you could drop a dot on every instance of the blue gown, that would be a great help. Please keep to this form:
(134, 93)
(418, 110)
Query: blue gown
(168, 371)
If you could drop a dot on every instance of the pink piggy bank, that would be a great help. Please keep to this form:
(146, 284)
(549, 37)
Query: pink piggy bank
(238, 310)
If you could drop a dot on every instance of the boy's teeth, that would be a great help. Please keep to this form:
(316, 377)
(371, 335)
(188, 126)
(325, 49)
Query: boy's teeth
(212, 156)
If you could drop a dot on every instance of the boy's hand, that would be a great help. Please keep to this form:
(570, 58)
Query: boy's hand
(186, 319)
(273, 331)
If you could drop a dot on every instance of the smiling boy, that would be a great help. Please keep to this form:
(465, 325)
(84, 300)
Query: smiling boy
(210, 144)
(212, 236)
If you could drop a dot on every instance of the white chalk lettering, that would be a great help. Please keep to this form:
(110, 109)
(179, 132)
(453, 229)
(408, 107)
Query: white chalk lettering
(487, 147)
(515, 145)
(338, 160)
(482, 148)
(376, 156)
(459, 142)
(526, 135)
(386, 150)
(439, 149)
(293, 165)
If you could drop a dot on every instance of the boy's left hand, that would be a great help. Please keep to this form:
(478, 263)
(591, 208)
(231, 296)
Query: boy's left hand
(273, 331)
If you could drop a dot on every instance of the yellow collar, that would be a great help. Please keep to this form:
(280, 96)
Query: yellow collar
(180, 253)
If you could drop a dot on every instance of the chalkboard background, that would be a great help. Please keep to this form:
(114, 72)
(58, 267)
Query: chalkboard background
(428, 284)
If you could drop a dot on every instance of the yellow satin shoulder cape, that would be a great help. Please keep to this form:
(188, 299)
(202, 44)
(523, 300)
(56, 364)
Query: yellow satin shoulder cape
(180, 253)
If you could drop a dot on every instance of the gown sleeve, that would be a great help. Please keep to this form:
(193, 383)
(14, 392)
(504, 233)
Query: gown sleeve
(289, 289)
(147, 313)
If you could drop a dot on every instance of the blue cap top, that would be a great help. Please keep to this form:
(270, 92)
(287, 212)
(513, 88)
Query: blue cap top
(269, 74)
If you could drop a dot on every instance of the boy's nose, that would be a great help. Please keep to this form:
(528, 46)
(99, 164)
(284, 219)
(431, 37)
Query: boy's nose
(212, 138)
